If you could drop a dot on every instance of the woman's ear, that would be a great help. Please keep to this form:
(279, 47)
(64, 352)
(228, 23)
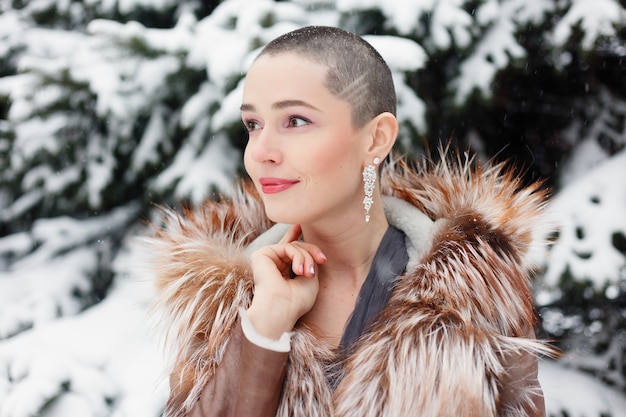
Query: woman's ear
(383, 130)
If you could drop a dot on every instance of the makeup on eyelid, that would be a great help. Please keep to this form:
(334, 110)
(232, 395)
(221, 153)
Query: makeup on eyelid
(288, 122)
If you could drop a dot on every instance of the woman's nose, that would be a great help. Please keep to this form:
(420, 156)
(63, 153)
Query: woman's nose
(264, 147)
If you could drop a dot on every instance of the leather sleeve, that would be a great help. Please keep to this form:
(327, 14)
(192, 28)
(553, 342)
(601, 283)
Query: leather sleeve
(520, 388)
(248, 382)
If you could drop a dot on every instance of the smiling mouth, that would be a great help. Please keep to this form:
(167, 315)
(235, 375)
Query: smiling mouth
(275, 185)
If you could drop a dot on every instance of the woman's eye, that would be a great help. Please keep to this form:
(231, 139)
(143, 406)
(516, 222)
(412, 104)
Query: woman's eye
(295, 121)
(251, 125)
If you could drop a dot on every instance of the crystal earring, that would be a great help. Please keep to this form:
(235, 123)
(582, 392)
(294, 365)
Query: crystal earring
(369, 179)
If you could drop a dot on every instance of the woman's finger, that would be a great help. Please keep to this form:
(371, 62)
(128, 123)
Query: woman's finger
(287, 258)
(292, 234)
(293, 257)
(316, 254)
(301, 260)
(304, 257)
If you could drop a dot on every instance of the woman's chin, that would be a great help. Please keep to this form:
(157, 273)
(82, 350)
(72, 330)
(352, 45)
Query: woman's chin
(281, 217)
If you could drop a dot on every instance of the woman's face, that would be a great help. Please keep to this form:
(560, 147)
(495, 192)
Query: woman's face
(303, 153)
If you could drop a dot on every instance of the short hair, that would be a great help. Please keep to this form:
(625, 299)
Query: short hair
(356, 71)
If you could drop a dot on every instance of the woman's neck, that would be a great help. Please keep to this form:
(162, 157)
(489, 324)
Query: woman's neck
(349, 247)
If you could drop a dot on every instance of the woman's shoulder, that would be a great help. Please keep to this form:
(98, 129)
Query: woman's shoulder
(488, 201)
(477, 247)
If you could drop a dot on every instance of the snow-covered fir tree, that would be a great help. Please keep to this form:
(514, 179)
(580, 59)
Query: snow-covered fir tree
(110, 107)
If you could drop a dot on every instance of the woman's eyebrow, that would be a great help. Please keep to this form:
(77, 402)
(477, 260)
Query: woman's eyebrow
(281, 105)
(292, 103)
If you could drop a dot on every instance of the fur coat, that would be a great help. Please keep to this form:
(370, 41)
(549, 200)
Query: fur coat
(440, 347)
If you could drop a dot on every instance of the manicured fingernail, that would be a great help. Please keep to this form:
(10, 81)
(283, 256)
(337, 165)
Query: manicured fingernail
(300, 269)
(312, 270)
(323, 257)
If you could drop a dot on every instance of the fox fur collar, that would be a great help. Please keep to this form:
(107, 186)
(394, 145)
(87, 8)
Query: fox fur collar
(439, 346)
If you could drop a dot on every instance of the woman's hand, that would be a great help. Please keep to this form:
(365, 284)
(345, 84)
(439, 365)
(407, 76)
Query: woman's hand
(285, 283)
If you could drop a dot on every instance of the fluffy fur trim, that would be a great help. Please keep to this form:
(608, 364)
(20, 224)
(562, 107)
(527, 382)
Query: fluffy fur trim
(203, 277)
(462, 310)
(438, 349)
(484, 227)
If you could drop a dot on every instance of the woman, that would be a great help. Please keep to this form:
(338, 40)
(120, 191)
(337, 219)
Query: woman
(322, 291)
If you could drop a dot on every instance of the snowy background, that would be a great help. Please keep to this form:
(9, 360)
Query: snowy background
(110, 107)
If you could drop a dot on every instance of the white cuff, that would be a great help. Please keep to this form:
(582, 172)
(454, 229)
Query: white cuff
(281, 345)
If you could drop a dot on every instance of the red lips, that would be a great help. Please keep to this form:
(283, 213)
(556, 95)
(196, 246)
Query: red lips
(275, 185)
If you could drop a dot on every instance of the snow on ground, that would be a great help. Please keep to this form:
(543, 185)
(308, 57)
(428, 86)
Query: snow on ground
(580, 395)
(105, 361)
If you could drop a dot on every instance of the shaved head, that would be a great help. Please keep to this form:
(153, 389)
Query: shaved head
(356, 71)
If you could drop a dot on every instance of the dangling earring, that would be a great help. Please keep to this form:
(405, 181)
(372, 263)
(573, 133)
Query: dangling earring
(369, 179)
